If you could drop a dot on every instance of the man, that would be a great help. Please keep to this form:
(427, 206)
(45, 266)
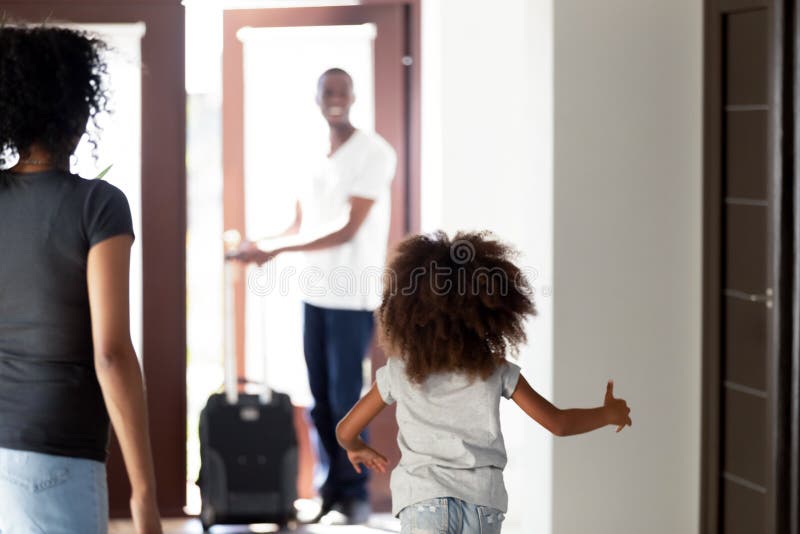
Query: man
(342, 226)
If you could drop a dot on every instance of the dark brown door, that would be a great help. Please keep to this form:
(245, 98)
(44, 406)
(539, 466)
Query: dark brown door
(396, 119)
(747, 257)
(163, 204)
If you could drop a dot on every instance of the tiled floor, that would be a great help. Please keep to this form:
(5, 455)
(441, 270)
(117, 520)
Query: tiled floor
(378, 525)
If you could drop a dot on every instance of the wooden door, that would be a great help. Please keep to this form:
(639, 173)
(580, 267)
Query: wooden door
(163, 236)
(748, 258)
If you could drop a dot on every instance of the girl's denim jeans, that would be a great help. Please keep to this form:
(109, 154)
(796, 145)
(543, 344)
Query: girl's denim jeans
(447, 515)
(47, 494)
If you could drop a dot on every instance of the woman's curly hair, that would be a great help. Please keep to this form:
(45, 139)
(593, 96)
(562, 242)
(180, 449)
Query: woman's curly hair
(51, 85)
(453, 305)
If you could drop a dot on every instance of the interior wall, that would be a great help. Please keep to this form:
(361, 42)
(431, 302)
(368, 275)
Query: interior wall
(628, 96)
(487, 150)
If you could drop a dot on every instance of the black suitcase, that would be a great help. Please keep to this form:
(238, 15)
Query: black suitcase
(248, 450)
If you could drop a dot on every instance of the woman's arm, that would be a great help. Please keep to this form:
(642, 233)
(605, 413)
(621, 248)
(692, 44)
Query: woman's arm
(119, 374)
(572, 421)
(349, 428)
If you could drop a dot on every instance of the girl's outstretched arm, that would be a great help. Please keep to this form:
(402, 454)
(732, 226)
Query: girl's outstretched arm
(573, 421)
(349, 428)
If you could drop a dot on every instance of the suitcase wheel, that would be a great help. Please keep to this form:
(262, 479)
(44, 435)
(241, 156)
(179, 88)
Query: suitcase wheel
(208, 517)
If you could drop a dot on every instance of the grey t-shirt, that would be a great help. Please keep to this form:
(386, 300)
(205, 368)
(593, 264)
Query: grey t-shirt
(50, 400)
(449, 435)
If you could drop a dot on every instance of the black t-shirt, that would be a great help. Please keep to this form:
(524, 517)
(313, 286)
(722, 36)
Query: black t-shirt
(50, 400)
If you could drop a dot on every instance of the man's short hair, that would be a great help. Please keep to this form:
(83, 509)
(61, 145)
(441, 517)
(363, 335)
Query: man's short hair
(334, 70)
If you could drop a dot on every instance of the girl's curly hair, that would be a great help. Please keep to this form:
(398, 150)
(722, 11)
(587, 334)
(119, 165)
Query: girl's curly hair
(453, 305)
(51, 85)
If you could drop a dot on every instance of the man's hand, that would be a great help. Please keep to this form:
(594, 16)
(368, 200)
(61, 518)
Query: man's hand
(249, 252)
(617, 409)
(368, 456)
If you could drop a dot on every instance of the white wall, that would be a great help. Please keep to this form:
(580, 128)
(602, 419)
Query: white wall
(628, 260)
(608, 208)
(487, 164)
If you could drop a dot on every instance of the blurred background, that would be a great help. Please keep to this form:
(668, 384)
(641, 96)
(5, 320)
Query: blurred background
(638, 153)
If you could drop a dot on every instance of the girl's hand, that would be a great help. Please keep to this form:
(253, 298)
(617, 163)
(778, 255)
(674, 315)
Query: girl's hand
(369, 457)
(617, 409)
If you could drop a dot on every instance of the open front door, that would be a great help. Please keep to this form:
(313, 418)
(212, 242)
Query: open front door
(378, 48)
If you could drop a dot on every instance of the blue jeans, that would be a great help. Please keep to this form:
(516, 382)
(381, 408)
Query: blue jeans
(335, 343)
(47, 494)
(447, 515)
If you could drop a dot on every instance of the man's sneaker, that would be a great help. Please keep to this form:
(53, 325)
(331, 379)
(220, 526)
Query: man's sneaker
(348, 512)
(308, 510)
(324, 508)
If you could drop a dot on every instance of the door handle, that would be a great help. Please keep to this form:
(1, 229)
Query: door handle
(766, 297)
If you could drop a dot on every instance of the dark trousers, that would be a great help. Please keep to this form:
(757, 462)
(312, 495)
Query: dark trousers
(335, 344)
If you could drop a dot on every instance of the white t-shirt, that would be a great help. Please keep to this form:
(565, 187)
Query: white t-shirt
(348, 276)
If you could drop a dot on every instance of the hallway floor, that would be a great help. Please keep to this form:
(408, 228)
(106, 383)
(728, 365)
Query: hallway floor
(379, 524)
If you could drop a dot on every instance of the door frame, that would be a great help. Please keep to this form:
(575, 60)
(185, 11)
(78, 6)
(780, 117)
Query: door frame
(783, 334)
(163, 229)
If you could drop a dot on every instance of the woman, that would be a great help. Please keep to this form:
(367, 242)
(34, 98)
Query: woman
(67, 364)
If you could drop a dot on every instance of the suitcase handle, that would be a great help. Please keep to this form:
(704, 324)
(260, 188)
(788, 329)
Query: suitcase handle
(229, 335)
(266, 391)
(232, 378)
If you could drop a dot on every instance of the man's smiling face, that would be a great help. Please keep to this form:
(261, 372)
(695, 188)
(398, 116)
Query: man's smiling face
(335, 97)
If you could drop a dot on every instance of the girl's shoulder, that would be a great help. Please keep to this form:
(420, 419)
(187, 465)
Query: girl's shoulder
(508, 374)
(395, 363)
(395, 369)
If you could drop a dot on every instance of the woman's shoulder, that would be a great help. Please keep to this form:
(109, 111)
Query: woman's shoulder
(100, 194)
(61, 182)
(83, 186)
(106, 211)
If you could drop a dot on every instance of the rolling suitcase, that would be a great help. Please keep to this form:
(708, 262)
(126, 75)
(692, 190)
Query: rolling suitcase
(248, 447)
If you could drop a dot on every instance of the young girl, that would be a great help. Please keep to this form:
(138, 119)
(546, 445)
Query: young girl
(451, 311)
